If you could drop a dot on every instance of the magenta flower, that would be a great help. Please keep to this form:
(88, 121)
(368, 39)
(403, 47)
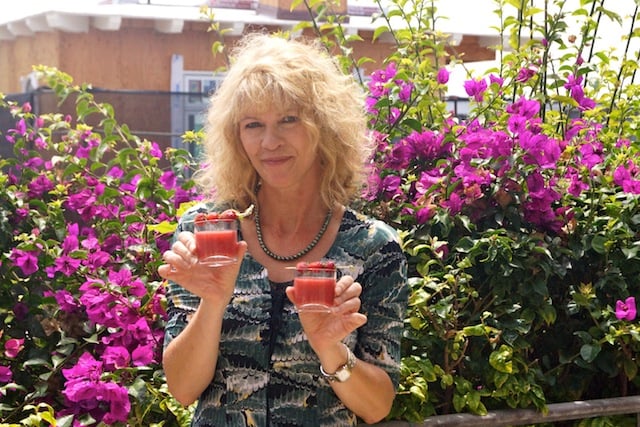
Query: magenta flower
(115, 172)
(27, 261)
(454, 204)
(5, 374)
(13, 346)
(496, 80)
(391, 185)
(116, 357)
(475, 88)
(168, 180)
(155, 150)
(623, 177)
(40, 185)
(143, 355)
(406, 88)
(626, 310)
(66, 301)
(107, 400)
(67, 265)
(525, 74)
(443, 76)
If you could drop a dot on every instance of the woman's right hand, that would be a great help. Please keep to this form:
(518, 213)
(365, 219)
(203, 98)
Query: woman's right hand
(209, 283)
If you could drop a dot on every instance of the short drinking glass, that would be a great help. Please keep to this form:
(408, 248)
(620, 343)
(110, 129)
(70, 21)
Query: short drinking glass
(314, 284)
(216, 241)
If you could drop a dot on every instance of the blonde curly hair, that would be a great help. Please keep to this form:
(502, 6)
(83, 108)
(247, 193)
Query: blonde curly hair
(267, 71)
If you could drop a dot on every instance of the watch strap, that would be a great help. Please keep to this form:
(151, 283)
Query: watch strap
(344, 372)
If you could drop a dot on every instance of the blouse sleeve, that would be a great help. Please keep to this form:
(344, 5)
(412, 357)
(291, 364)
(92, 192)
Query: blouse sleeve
(384, 300)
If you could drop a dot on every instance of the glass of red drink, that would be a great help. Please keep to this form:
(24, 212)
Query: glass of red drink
(314, 284)
(216, 241)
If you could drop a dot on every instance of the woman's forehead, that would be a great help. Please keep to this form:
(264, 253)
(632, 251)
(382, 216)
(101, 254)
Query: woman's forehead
(270, 108)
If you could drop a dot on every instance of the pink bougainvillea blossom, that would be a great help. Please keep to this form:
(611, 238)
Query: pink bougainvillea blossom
(475, 88)
(442, 76)
(6, 375)
(27, 261)
(626, 310)
(13, 346)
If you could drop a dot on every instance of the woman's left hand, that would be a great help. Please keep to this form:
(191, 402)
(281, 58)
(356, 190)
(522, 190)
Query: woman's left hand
(324, 330)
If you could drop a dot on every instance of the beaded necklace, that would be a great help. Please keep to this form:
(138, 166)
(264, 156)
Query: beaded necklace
(314, 242)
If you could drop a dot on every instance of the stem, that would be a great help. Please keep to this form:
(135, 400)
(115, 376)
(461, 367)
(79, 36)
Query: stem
(619, 77)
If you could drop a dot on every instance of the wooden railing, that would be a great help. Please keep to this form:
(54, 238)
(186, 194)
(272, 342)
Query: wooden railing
(577, 410)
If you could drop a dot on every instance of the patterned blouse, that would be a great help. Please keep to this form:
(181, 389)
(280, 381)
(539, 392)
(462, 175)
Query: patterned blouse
(267, 374)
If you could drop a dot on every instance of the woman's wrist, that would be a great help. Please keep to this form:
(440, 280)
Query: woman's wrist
(342, 373)
(334, 357)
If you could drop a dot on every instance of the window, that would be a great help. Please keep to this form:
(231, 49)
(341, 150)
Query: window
(190, 96)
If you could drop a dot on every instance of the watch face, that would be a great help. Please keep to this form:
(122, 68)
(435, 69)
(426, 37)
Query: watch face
(343, 374)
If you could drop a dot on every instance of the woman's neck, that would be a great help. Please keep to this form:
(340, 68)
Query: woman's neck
(290, 211)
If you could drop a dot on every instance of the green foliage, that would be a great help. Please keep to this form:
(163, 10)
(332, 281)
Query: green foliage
(510, 309)
(86, 208)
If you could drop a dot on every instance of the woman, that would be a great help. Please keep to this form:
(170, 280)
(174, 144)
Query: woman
(286, 133)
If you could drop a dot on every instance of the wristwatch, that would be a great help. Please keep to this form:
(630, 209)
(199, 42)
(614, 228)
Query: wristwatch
(344, 372)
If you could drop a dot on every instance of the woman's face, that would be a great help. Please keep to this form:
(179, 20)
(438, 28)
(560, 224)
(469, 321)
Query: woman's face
(279, 148)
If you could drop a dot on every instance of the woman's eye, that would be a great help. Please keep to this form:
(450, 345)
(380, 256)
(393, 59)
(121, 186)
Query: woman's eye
(252, 125)
(289, 119)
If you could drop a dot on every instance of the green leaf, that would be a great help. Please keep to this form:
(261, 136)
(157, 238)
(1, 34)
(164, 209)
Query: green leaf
(589, 352)
(598, 244)
(501, 359)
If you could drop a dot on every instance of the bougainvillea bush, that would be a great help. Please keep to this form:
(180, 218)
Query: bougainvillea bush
(82, 214)
(521, 220)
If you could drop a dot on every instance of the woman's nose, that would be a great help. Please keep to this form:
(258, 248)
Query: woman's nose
(271, 137)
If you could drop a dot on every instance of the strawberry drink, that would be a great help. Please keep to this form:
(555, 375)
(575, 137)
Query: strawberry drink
(216, 238)
(314, 285)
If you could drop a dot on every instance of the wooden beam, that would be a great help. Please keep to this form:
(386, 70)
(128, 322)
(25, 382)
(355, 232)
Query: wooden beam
(68, 22)
(5, 34)
(107, 23)
(170, 26)
(38, 23)
(19, 28)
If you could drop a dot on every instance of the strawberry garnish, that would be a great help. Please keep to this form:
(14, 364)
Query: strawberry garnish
(200, 218)
(316, 265)
(330, 265)
(229, 214)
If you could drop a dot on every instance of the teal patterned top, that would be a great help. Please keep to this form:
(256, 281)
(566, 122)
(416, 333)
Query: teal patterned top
(267, 374)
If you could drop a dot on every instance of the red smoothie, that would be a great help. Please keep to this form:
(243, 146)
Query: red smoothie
(212, 245)
(315, 292)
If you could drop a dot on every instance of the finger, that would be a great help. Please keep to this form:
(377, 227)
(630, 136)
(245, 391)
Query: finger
(179, 262)
(352, 305)
(291, 294)
(355, 320)
(165, 271)
(343, 284)
(354, 290)
(185, 245)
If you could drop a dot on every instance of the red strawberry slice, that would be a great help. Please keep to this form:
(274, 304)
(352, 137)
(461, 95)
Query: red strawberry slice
(212, 216)
(330, 265)
(320, 265)
(229, 214)
(200, 218)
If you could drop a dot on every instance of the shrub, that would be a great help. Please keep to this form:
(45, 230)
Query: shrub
(521, 221)
(85, 211)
